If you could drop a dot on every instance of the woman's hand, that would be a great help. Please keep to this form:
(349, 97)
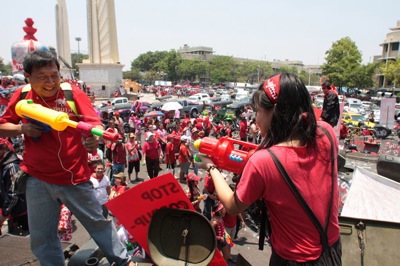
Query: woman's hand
(205, 162)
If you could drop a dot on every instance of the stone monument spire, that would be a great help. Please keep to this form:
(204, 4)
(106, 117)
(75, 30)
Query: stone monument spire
(62, 31)
(103, 71)
(102, 32)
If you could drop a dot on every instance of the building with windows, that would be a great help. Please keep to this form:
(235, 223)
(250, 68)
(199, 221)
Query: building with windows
(390, 51)
(203, 53)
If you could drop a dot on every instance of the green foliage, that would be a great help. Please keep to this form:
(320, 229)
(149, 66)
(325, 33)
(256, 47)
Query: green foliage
(253, 72)
(363, 76)
(309, 78)
(222, 68)
(342, 63)
(291, 70)
(391, 70)
(191, 69)
(5, 69)
(133, 75)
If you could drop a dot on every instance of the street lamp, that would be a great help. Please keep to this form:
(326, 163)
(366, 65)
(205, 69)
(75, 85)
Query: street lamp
(78, 39)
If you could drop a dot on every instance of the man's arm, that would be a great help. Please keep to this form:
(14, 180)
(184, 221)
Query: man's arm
(10, 130)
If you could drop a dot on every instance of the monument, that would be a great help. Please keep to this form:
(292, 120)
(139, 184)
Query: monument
(63, 45)
(102, 71)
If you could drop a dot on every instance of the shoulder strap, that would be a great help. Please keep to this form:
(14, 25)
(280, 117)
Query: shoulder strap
(66, 88)
(306, 207)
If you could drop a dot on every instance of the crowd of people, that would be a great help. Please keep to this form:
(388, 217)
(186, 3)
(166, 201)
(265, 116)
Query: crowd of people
(75, 173)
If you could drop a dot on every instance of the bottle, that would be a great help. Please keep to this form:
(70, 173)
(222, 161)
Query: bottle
(129, 245)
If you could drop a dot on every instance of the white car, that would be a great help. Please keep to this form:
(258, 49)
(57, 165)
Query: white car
(199, 98)
(354, 108)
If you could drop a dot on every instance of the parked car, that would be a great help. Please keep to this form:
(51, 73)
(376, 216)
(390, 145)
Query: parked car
(397, 110)
(241, 95)
(199, 98)
(356, 119)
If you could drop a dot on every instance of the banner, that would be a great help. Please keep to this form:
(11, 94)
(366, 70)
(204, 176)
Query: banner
(136, 206)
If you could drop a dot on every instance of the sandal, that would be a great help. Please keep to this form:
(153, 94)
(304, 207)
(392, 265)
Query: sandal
(232, 260)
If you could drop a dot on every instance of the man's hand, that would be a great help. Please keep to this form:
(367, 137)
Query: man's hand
(91, 143)
(31, 130)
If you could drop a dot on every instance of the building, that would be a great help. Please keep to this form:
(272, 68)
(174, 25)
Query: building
(204, 53)
(390, 51)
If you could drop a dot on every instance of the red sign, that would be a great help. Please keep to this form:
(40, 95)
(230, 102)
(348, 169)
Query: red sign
(136, 206)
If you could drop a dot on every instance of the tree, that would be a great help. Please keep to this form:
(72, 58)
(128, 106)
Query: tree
(222, 68)
(363, 76)
(5, 69)
(251, 72)
(391, 70)
(343, 61)
(149, 61)
(309, 78)
(132, 75)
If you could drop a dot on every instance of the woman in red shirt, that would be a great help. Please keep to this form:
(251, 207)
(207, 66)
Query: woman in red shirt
(307, 151)
(119, 185)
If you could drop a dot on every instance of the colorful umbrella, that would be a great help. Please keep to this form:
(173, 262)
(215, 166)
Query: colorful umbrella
(154, 114)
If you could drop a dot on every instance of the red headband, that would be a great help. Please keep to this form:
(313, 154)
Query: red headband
(271, 87)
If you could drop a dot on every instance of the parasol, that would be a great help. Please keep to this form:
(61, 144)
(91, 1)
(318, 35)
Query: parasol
(154, 114)
(171, 106)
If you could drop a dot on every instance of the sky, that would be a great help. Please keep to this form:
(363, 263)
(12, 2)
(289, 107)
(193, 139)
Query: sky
(255, 29)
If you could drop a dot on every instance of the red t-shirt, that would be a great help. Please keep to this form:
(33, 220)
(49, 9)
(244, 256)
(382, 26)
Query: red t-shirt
(58, 157)
(209, 184)
(294, 235)
(229, 221)
(151, 149)
(119, 153)
(183, 154)
(242, 128)
(170, 153)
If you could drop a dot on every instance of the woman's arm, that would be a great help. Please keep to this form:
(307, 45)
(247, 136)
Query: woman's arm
(228, 198)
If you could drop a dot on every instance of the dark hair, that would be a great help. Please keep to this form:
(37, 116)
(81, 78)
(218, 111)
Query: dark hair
(326, 85)
(293, 115)
(39, 58)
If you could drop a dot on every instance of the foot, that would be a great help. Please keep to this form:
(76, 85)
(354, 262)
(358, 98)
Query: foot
(232, 260)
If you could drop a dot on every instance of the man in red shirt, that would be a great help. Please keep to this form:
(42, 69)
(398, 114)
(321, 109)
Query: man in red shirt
(183, 159)
(152, 155)
(243, 129)
(56, 164)
(170, 158)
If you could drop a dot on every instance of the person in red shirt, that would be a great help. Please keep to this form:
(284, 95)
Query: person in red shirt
(243, 128)
(133, 149)
(170, 158)
(183, 159)
(118, 158)
(209, 202)
(307, 152)
(207, 126)
(344, 131)
(152, 155)
(119, 186)
(56, 163)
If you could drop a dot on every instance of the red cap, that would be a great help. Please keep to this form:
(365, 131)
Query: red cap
(193, 177)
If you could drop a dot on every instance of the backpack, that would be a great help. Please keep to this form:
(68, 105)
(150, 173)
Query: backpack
(65, 87)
